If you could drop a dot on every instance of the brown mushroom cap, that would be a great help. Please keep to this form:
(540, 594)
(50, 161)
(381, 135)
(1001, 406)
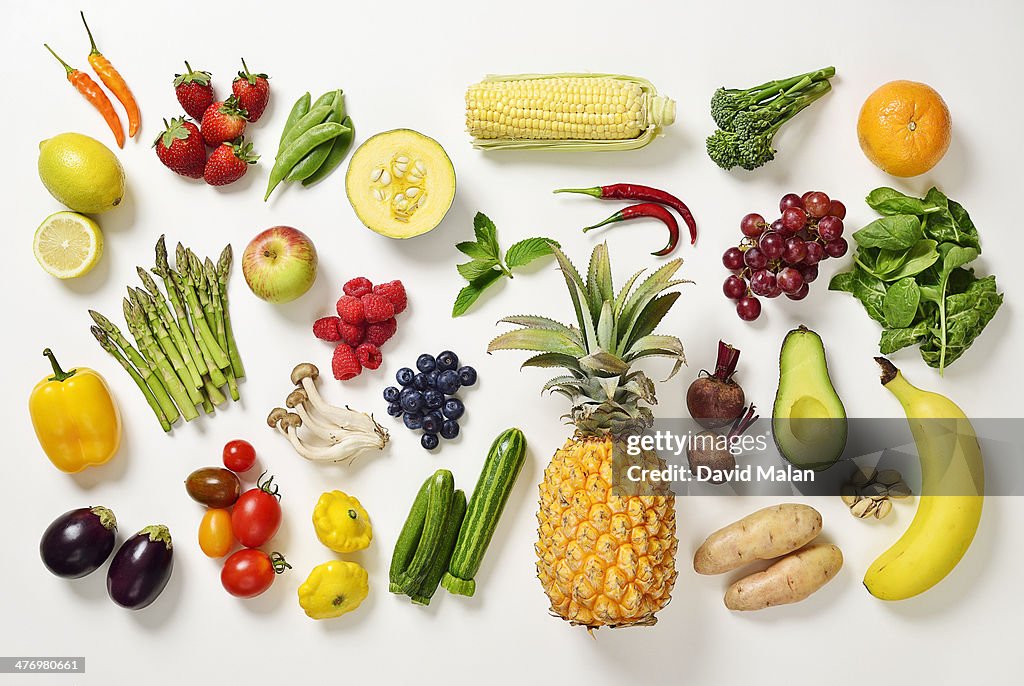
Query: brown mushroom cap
(303, 370)
(291, 421)
(275, 416)
(296, 397)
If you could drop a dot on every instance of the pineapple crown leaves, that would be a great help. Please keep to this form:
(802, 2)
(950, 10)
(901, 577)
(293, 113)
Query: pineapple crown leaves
(614, 331)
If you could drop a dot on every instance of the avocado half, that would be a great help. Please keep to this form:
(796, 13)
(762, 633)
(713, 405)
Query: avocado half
(400, 183)
(808, 417)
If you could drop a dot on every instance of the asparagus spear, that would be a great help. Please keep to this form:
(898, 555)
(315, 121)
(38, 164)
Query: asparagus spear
(223, 271)
(210, 277)
(144, 303)
(150, 348)
(164, 313)
(198, 276)
(206, 337)
(109, 346)
(214, 393)
(163, 270)
(145, 369)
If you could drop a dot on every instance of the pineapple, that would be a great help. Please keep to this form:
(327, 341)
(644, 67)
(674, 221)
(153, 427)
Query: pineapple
(603, 558)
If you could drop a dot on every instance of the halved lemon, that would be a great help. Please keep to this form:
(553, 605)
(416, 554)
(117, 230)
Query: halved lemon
(68, 245)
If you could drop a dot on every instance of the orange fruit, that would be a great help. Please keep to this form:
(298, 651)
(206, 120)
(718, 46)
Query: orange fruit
(904, 128)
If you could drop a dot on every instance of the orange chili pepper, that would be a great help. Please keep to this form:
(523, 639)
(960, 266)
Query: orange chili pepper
(113, 80)
(84, 84)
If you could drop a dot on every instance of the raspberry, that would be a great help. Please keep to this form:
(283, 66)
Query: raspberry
(377, 334)
(394, 291)
(326, 329)
(377, 308)
(353, 334)
(345, 364)
(350, 310)
(357, 287)
(369, 355)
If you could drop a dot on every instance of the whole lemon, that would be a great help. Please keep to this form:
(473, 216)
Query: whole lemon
(81, 173)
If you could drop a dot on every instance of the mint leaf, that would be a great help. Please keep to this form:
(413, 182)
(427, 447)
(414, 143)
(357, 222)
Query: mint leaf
(528, 250)
(472, 249)
(486, 235)
(468, 295)
(471, 271)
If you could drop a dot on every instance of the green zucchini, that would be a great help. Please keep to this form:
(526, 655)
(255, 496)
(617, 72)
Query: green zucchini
(405, 546)
(501, 469)
(439, 501)
(439, 565)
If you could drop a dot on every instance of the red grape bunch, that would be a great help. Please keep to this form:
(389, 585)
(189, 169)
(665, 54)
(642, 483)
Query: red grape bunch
(782, 257)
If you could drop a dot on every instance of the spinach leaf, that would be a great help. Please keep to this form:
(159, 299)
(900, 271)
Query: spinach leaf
(869, 289)
(889, 201)
(889, 261)
(898, 232)
(897, 339)
(899, 304)
(951, 224)
(916, 260)
(967, 315)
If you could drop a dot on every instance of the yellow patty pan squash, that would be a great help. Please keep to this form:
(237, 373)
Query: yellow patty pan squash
(332, 589)
(341, 523)
(75, 418)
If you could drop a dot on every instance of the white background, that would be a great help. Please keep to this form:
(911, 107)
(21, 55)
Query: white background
(405, 64)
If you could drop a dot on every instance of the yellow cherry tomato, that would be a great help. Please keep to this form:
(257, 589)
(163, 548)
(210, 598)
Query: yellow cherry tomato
(341, 523)
(215, 537)
(332, 589)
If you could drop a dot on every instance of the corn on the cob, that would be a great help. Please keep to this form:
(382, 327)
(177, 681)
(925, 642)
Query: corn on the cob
(566, 111)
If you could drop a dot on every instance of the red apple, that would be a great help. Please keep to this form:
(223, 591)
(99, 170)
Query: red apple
(279, 264)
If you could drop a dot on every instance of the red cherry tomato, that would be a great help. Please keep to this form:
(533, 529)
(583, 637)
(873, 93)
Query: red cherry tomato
(257, 514)
(239, 456)
(247, 573)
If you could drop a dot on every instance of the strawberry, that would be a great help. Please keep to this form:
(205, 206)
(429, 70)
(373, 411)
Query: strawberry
(358, 287)
(369, 355)
(353, 334)
(344, 364)
(351, 310)
(376, 308)
(193, 91)
(394, 291)
(229, 162)
(252, 91)
(378, 334)
(326, 329)
(223, 122)
(180, 147)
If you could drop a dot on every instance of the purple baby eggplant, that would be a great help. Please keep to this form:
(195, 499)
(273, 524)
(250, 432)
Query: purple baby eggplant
(78, 542)
(141, 568)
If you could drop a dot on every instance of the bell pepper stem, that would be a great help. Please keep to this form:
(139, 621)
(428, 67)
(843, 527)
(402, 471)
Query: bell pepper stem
(58, 373)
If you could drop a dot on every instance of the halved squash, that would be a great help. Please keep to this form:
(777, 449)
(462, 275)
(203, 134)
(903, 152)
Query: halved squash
(400, 183)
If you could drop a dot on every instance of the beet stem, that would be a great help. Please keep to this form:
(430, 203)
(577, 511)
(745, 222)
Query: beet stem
(744, 421)
(728, 358)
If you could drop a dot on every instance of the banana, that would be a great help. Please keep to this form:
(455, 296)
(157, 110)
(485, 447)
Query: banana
(949, 509)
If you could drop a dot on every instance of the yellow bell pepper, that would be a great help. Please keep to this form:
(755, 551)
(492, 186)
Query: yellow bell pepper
(75, 418)
(332, 589)
(341, 523)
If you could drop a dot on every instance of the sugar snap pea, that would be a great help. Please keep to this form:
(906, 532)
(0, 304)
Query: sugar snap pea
(339, 148)
(316, 115)
(327, 98)
(300, 108)
(298, 149)
(316, 157)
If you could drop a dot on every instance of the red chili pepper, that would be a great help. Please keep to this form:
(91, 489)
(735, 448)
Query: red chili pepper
(631, 191)
(646, 209)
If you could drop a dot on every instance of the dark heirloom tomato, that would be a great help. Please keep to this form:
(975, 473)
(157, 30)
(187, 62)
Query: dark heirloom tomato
(213, 486)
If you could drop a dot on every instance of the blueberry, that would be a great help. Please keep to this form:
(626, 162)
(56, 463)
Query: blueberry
(419, 382)
(447, 360)
(411, 400)
(425, 363)
(436, 414)
(433, 398)
(395, 409)
(453, 408)
(467, 375)
(431, 425)
(432, 378)
(429, 441)
(448, 382)
(450, 429)
(391, 394)
(413, 420)
(404, 376)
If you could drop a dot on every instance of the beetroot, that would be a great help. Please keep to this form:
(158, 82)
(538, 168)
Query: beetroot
(711, 449)
(715, 400)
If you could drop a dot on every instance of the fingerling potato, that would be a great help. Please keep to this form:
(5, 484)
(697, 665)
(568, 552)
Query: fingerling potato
(789, 580)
